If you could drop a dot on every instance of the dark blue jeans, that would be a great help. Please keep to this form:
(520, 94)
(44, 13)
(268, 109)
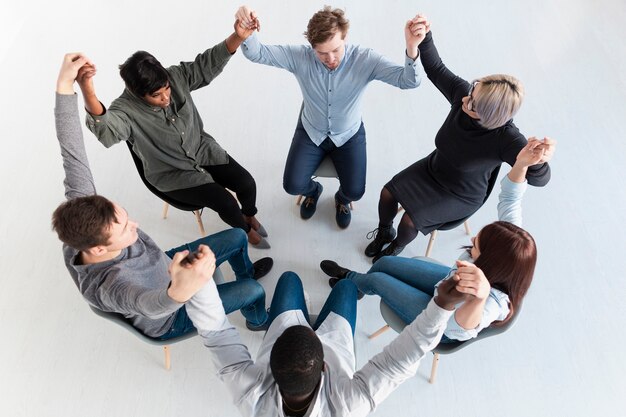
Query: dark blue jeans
(304, 157)
(243, 294)
(289, 295)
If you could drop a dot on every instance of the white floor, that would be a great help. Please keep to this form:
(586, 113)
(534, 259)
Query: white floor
(562, 357)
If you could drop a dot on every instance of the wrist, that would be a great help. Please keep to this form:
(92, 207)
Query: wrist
(445, 305)
(65, 87)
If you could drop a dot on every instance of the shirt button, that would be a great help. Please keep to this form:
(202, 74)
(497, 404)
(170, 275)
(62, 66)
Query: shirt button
(328, 133)
(330, 91)
(329, 104)
(182, 133)
(97, 120)
(173, 120)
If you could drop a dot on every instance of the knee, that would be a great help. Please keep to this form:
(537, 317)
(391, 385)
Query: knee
(237, 236)
(289, 279)
(347, 287)
(293, 186)
(354, 192)
(383, 264)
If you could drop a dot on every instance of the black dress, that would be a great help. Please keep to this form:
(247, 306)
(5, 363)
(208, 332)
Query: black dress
(451, 183)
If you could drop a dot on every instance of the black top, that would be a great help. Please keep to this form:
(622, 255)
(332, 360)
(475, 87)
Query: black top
(451, 183)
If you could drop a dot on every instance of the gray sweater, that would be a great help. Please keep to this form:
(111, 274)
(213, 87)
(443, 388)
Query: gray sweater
(135, 282)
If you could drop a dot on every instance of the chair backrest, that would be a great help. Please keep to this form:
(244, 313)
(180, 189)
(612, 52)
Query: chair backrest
(493, 178)
(175, 203)
(120, 320)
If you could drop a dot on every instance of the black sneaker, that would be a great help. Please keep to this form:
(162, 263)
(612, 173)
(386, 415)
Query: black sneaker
(262, 267)
(342, 214)
(332, 269)
(260, 328)
(333, 281)
(392, 250)
(382, 235)
(309, 205)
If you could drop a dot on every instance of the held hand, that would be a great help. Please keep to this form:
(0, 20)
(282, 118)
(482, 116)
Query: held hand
(188, 279)
(72, 63)
(447, 294)
(248, 19)
(84, 78)
(471, 280)
(530, 154)
(415, 31)
(548, 145)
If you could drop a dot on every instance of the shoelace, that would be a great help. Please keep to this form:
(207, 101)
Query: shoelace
(309, 201)
(343, 209)
(371, 234)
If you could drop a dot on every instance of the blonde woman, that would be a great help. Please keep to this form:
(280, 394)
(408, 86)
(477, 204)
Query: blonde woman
(452, 182)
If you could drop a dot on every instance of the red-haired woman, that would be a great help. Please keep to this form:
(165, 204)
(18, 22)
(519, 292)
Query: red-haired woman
(494, 273)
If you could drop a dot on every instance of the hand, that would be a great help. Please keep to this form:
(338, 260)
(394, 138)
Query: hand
(531, 154)
(470, 280)
(447, 294)
(84, 79)
(415, 31)
(548, 145)
(247, 19)
(72, 63)
(189, 278)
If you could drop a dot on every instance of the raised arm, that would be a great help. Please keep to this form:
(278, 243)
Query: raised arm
(280, 56)
(78, 179)
(538, 174)
(400, 359)
(229, 354)
(451, 86)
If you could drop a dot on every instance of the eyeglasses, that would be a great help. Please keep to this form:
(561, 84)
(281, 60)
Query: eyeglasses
(470, 101)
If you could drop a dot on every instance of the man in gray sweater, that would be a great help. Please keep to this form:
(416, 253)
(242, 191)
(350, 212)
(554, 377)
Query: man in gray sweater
(117, 267)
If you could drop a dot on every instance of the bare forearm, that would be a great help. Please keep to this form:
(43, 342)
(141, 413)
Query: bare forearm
(518, 172)
(469, 315)
(92, 104)
(233, 42)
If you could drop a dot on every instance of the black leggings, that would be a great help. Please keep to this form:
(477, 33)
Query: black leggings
(387, 210)
(216, 196)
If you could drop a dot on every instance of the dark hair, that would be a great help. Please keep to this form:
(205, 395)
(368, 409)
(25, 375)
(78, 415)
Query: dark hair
(84, 222)
(508, 256)
(143, 74)
(297, 361)
(324, 24)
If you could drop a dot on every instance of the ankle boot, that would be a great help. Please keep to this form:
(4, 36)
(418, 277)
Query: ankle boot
(382, 235)
(392, 250)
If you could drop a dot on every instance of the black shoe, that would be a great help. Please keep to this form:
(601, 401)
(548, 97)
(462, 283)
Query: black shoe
(381, 235)
(342, 214)
(262, 267)
(392, 250)
(333, 281)
(309, 205)
(260, 328)
(332, 269)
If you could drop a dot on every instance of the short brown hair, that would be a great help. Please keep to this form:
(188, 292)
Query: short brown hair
(324, 24)
(84, 222)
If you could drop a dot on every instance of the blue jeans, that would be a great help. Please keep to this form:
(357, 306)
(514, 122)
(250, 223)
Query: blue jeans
(406, 285)
(289, 295)
(243, 294)
(305, 157)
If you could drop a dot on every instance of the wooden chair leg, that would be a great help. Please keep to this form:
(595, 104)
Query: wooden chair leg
(379, 332)
(351, 206)
(433, 371)
(431, 241)
(165, 207)
(467, 228)
(200, 224)
(298, 200)
(168, 360)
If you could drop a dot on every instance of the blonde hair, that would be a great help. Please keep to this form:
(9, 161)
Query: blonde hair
(324, 24)
(499, 98)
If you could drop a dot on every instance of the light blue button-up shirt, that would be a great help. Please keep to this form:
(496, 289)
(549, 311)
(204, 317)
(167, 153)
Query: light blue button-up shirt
(332, 98)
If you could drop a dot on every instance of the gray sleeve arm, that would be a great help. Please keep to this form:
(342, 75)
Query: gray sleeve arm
(78, 179)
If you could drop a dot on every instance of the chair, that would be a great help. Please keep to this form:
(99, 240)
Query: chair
(120, 320)
(325, 170)
(453, 224)
(396, 323)
(197, 211)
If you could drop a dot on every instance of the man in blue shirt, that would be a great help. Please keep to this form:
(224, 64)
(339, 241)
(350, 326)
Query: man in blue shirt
(332, 76)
